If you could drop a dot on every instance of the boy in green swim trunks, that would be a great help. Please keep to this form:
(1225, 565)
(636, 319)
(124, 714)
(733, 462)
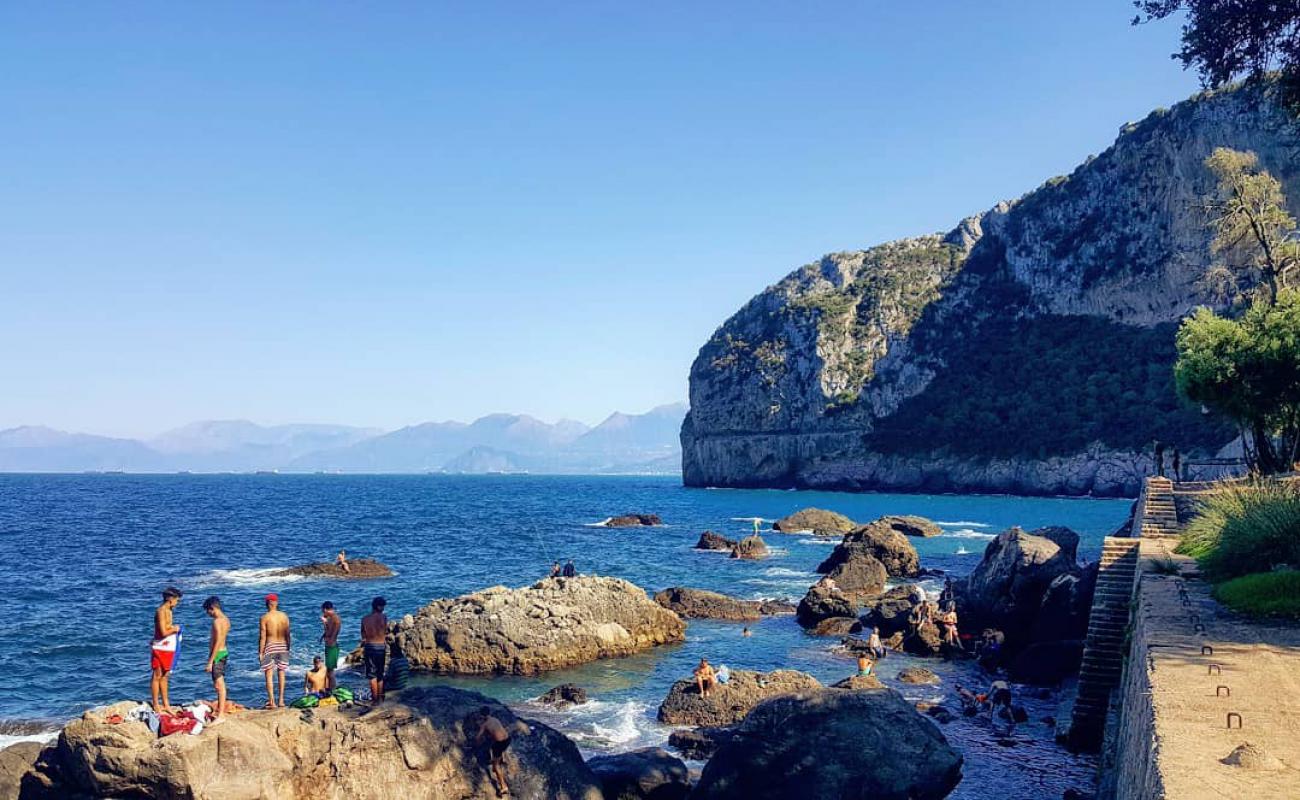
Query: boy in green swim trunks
(331, 623)
(218, 657)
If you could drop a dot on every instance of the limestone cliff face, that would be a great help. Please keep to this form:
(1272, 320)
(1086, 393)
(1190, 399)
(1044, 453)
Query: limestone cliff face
(1027, 350)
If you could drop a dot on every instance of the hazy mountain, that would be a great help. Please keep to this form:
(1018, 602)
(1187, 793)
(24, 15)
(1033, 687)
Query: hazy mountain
(494, 443)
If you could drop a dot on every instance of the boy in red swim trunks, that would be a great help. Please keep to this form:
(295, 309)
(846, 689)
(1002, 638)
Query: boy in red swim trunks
(162, 650)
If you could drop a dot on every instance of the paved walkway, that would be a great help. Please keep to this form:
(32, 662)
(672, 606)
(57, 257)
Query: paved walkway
(1259, 664)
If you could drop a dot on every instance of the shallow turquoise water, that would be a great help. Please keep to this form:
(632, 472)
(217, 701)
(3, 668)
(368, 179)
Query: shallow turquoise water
(87, 555)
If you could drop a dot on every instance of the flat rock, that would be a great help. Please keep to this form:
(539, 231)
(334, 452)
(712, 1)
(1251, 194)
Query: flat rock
(421, 746)
(633, 521)
(358, 569)
(833, 744)
(555, 623)
(858, 683)
(818, 521)
(703, 604)
(714, 541)
(729, 702)
(919, 675)
(648, 774)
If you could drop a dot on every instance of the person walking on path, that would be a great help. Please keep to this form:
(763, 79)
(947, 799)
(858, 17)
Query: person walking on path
(273, 642)
(162, 650)
(1160, 458)
(331, 624)
(218, 656)
(374, 646)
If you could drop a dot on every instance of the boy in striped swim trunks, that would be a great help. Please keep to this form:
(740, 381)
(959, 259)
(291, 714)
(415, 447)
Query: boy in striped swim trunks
(273, 640)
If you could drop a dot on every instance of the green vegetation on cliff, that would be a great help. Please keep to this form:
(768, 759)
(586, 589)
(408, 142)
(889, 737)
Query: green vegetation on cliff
(1245, 528)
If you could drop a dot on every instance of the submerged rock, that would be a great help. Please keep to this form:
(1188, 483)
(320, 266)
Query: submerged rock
(728, 703)
(814, 520)
(555, 623)
(751, 547)
(919, 675)
(833, 744)
(566, 694)
(633, 521)
(358, 569)
(422, 746)
(879, 540)
(714, 541)
(702, 604)
(649, 774)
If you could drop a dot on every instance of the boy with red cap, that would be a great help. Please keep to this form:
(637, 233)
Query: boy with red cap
(273, 640)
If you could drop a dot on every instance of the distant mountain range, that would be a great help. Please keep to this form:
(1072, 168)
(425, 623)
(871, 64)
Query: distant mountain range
(623, 443)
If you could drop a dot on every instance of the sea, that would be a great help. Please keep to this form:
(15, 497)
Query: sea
(86, 556)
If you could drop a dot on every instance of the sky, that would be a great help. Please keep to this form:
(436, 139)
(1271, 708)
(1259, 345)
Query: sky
(387, 213)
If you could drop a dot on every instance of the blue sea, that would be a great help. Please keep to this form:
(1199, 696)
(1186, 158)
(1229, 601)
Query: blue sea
(85, 557)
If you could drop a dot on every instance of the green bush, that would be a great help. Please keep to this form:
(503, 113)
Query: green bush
(1245, 528)
(1268, 594)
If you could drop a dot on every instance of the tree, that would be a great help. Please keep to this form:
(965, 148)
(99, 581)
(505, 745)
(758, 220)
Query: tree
(1229, 39)
(1249, 370)
(1254, 234)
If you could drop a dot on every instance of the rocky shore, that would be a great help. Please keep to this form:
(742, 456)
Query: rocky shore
(555, 623)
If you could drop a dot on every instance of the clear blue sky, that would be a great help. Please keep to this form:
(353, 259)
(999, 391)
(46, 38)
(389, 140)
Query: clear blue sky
(385, 213)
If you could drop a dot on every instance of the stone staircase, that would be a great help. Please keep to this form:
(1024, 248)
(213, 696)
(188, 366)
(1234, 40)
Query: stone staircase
(1159, 515)
(1103, 650)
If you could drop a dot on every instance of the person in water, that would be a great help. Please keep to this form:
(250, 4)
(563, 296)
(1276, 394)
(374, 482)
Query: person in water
(864, 665)
(342, 560)
(273, 642)
(317, 679)
(218, 656)
(162, 650)
(399, 670)
(374, 646)
(705, 678)
(570, 571)
(555, 570)
(746, 633)
(492, 733)
(331, 624)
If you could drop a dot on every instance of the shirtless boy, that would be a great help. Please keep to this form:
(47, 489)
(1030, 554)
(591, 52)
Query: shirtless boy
(273, 640)
(705, 677)
(162, 650)
(374, 646)
(217, 654)
(330, 626)
(317, 678)
(495, 735)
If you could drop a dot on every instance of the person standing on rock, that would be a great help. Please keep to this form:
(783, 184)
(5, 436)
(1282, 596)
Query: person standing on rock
(874, 645)
(331, 624)
(570, 571)
(374, 646)
(218, 656)
(273, 641)
(162, 650)
(497, 738)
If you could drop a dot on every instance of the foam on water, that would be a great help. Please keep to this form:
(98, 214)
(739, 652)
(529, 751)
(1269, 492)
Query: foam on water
(962, 524)
(961, 551)
(603, 523)
(600, 726)
(9, 740)
(827, 541)
(788, 573)
(247, 577)
(967, 533)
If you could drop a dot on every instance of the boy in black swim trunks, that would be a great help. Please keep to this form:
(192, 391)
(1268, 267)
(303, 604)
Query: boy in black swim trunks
(218, 657)
(491, 730)
(374, 646)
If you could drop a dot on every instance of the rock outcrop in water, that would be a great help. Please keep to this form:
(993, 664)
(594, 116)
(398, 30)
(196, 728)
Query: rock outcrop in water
(881, 541)
(818, 521)
(714, 541)
(729, 702)
(825, 602)
(358, 569)
(750, 548)
(832, 744)
(633, 521)
(939, 362)
(555, 623)
(703, 604)
(421, 746)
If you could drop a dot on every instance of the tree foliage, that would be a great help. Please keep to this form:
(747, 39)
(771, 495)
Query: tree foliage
(1229, 39)
(1254, 234)
(1248, 369)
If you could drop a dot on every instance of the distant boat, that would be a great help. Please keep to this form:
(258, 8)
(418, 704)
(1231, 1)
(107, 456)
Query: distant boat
(267, 472)
(114, 472)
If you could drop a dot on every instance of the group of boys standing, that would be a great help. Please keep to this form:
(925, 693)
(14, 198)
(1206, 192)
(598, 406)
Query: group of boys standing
(274, 639)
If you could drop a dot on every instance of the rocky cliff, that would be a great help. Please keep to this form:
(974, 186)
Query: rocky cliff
(1028, 350)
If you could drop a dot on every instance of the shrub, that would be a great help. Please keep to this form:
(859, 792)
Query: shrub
(1245, 528)
(1262, 594)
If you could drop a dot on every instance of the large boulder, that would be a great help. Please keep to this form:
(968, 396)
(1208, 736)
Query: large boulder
(358, 569)
(815, 520)
(909, 525)
(714, 541)
(923, 640)
(889, 612)
(422, 746)
(555, 623)
(835, 626)
(823, 602)
(564, 695)
(702, 604)
(833, 744)
(16, 762)
(649, 774)
(1007, 588)
(1066, 606)
(698, 744)
(860, 577)
(879, 540)
(633, 521)
(729, 702)
(751, 547)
